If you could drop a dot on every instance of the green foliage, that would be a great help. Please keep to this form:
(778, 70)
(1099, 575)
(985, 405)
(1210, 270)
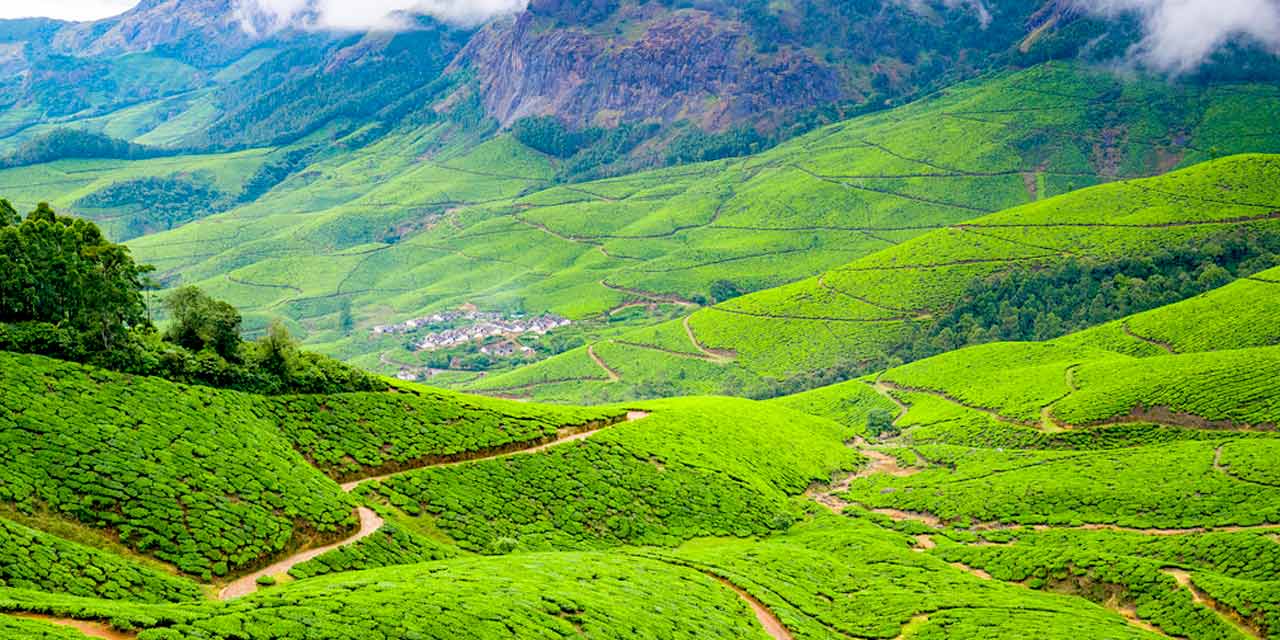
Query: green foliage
(1172, 485)
(197, 321)
(391, 545)
(550, 136)
(31, 559)
(1047, 302)
(531, 596)
(64, 143)
(62, 271)
(358, 435)
(1125, 567)
(192, 475)
(880, 423)
(699, 146)
(161, 203)
(659, 480)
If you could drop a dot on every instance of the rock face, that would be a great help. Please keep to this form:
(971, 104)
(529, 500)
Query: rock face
(683, 64)
(202, 32)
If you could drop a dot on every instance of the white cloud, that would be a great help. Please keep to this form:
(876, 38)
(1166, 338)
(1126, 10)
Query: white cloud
(361, 15)
(1181, 34)
(64, 9)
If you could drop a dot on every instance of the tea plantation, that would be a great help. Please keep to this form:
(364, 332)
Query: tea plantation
(1003, 362)
(878, 309)
(1094, 485)
(425, 219)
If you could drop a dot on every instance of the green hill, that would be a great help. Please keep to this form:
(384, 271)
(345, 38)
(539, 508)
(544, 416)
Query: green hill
(848, 319)
(1093, 484)
(340, 231)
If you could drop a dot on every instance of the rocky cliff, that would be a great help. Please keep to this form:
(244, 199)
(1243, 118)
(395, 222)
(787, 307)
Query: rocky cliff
(669, 65)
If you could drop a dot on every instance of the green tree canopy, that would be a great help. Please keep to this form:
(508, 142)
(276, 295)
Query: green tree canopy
(63, 271)
(199, 322)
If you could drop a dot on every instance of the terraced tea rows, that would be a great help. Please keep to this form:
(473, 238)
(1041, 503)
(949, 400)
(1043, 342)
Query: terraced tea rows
(806, 333)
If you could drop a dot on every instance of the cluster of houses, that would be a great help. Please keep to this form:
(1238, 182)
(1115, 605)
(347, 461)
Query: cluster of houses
(488, 327)
(447, 317)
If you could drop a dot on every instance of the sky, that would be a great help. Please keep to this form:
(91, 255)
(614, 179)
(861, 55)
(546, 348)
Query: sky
(64, 9)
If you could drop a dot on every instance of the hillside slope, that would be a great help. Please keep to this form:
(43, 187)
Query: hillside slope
(446, 225)
(1094, 484)
(855, 316)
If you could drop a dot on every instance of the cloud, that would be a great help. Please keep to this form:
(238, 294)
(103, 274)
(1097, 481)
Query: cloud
(1181, 34)
(364, 15)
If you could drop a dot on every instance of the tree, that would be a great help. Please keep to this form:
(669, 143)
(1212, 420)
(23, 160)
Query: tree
(8, 215)
(62, 271)
(880, 422)
(722, 290)
(199, 322)
(277, 350)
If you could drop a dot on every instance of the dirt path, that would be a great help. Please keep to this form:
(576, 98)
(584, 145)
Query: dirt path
(88, 628)
(825, 495)
(1228, 615)
(613, 375)
(937, 523)
(714, 355)
(649, 295)
(1151, 341)
(885, 390)
(370, 522)
(566, 436)
(772, 625)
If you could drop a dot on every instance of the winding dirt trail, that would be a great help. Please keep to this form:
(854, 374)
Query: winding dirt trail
(825, 495)
(1228, 615)
(1128, 331)
(566, 436)
(714, 355)
(613, 375)
(370, 522)
(88, 628)
(772, 625)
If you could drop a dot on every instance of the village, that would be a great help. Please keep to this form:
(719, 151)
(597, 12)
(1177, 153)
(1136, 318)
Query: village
(479, 326)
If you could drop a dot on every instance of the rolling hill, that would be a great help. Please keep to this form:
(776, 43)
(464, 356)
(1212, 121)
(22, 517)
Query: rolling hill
(447, 224)
(1111, 482)
(853, 316)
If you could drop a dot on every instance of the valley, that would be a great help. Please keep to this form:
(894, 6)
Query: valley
(640, 319)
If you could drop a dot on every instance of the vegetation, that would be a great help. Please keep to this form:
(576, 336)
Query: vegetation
(358, 435)
(31, 559)
(162, 203)
(165, 468)
(63, 143)
(655, 481)
(69, 293)
(391, 545)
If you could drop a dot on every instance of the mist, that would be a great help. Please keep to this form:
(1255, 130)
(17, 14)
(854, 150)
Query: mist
(367, 15)
(1181, 34)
